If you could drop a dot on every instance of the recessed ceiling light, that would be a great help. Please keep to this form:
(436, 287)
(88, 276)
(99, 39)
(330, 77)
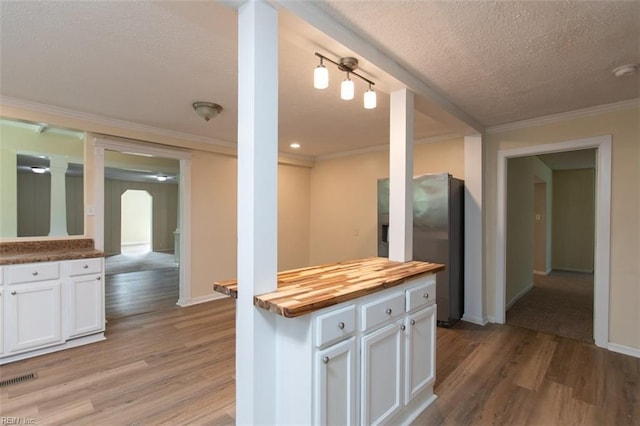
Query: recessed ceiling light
(625, 70)
(295, 145)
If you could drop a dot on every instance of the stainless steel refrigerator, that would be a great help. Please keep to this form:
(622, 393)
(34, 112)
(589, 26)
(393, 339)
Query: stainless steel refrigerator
(438, 235)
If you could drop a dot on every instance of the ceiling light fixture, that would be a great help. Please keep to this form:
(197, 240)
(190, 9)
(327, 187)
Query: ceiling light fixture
(347, 89)
(39, 170)
(321, 76)
(295, 145)
(625, 70)
(207, 110)
(161, 178)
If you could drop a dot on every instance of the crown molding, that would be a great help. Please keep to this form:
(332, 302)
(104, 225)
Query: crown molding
(563, 116)
(385, 147)
(104, 121)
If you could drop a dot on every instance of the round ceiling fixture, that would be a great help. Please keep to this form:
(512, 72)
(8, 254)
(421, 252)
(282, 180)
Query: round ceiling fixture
(207, 110)
(625, 70)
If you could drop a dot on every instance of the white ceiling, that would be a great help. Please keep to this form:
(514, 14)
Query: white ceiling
(146, 62)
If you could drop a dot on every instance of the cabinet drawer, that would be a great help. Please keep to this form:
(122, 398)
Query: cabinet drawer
(85, 266)
(335, 325)
(422, 295)
(33, 272)
(379, 311)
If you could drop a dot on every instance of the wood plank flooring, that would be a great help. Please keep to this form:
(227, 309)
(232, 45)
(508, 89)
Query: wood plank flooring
(134, 293)
(176, 367)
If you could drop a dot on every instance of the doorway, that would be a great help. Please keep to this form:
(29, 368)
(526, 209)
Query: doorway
(552, 294)
(602, 227)
(135, 222)
(175, 238)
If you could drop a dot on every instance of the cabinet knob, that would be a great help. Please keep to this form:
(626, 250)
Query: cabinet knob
(34, 273)
(98, 278)
(413, 322)
(425, 295)
(402, 327)
(13, 292)
(85, 266)
(341, 325)
(388, 311)
(325, 359)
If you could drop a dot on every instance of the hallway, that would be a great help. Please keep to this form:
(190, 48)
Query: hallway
(560, 303)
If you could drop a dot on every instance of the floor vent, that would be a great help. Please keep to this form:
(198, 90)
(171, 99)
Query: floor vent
(16, 380)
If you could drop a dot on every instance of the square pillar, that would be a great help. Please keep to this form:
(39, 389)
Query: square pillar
(257, 210)
(401, 176)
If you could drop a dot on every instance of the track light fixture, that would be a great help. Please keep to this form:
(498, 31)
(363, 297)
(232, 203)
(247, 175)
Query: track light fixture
(347, 89)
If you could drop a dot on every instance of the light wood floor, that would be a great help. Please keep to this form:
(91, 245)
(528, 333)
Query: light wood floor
(176, 366)
(134, 293)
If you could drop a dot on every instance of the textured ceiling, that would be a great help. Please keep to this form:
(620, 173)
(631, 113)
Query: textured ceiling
(146, 62)
(505, 61)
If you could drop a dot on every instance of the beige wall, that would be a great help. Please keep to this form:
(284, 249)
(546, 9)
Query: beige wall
(540, 227)
(214, 219)
(519, 263)
(542, 172)
(624, 126)
(344, 197)
(294, 191)
(573, 219)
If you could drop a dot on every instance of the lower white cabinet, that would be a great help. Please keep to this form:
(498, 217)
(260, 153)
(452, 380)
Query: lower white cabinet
(336, 386)
(34, 315)
(367, 361)
(50, 306)
(382, 361)
(86, 301)
(420, 363)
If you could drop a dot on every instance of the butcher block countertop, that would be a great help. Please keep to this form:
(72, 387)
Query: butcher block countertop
(302, 291)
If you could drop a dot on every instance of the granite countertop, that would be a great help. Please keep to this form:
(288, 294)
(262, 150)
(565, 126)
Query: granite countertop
(304, 290)
(17, 252)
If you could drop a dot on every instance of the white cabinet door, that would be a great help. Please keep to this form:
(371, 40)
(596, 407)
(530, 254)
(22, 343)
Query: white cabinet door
(382, 372)
(86, 307)
(420, 351)
(335, 398)
(34, 315)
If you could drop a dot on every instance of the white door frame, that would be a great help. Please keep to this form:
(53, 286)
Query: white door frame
(184, 200)
(602, 258)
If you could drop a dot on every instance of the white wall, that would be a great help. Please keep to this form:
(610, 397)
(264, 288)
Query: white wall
(135, 217)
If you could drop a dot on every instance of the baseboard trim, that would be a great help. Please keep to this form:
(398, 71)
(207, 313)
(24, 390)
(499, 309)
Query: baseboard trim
(625, 350)
(584, 271)
(547, 272)
(518, 296)
(200, 299)
(475, 320)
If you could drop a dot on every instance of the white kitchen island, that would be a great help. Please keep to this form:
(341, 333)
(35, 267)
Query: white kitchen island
(355, 341)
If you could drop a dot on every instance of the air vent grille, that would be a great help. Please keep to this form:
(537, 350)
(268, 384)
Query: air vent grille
(16, 380)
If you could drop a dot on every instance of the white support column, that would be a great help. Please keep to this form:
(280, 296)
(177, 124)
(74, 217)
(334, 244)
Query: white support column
(474, 310)
(401, 176)
(257, 210)
(58, 216)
